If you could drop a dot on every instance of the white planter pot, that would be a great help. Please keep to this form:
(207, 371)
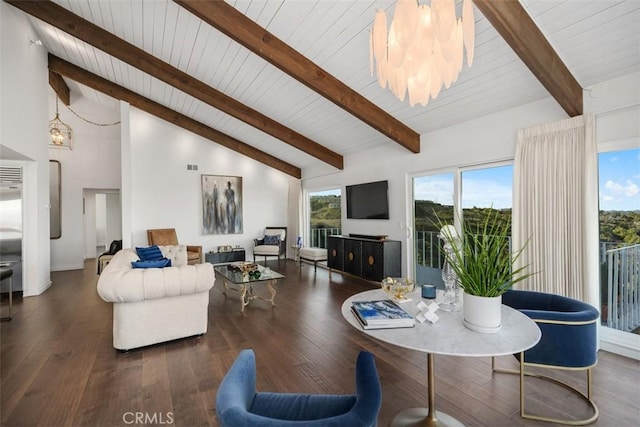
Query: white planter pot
(482, 314)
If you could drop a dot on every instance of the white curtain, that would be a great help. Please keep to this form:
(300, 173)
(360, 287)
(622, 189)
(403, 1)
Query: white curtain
(294, 214)
(555, 207)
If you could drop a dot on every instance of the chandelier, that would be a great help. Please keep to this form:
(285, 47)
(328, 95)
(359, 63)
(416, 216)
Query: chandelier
(422, 49)
(60, 132)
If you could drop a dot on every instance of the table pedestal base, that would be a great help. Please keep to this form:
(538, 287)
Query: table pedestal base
(420, 417)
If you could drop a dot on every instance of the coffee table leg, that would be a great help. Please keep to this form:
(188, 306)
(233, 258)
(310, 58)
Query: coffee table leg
(270, 284)
(426, 416)
(244, 298)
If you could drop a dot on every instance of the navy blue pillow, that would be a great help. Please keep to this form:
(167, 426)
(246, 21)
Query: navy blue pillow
(156, 263)
(272, 240)
(149, 253)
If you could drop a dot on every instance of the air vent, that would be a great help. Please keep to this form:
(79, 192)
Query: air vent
(10, 175)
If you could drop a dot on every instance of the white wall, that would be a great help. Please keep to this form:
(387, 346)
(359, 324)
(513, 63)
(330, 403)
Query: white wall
(93, 163)
(114, 218)
(23, 128)
(164, 194)
(485, 139)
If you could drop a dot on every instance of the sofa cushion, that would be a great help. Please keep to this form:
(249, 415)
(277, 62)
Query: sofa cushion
(266, 250)
(272, 240)
(176, 253)
(156, 263)
(149, 253)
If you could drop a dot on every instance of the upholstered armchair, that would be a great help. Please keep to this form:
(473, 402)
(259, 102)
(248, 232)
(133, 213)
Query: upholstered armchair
(568, 342)
(168, 237)
(239, 404)
(273, 243)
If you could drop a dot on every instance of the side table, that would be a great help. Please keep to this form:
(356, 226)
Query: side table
(7, 273)
(237, 254)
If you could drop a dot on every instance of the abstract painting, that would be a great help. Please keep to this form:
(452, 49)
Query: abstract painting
(221, 204)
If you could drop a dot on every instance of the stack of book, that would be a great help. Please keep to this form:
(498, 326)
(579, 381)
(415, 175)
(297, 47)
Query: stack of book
(381, 314)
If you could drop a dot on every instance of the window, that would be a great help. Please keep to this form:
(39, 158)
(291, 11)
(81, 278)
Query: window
(619, 194)
(325, 212)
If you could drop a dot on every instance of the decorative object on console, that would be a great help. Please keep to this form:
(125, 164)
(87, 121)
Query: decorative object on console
(398, 289)
(483, 262)
(423, 50)
(225, 248)
(221, 204)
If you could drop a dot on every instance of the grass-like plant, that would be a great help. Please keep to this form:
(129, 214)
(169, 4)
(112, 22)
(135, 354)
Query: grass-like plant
(482, 259)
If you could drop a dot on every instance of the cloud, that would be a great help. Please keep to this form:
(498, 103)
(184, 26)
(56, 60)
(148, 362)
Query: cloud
(629, 189)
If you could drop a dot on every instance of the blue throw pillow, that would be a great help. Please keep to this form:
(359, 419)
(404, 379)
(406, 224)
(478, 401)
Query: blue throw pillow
(149, 253)
(272, 240)
(157, 263)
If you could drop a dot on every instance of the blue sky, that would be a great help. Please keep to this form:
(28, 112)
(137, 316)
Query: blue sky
(619, 180)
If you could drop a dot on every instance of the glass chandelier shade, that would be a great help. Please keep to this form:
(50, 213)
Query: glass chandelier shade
(60, 132)
(422, 49)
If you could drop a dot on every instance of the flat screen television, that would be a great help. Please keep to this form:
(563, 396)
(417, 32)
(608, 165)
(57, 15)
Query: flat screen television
(368, 201)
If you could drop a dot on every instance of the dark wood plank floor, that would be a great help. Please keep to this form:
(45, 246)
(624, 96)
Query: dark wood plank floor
(58, 367)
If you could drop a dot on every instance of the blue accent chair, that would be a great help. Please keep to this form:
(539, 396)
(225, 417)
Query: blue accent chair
(238, 404)
(569, 342)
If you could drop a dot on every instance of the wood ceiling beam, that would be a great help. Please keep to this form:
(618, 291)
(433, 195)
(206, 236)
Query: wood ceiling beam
(60, 87)
(243, 30)
(86, 31)
(100, 84)
(517, 28)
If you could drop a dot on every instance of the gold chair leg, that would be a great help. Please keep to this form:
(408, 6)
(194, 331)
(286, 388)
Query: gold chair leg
(523, 374)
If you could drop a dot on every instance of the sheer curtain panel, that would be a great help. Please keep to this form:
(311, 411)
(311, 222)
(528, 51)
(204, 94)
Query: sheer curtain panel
(555, 207)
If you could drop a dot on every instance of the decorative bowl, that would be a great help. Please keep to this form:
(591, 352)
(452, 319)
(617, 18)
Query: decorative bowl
(398, 288)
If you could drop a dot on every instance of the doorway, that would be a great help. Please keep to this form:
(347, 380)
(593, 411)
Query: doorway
(102, 220)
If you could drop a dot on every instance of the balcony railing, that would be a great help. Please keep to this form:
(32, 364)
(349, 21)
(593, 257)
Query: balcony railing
(319, 236)
(623, 288)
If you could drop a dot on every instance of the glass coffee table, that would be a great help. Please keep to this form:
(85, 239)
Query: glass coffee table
(243, 282)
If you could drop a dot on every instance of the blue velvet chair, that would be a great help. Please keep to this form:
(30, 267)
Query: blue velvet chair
(238, 403)
(569, 341)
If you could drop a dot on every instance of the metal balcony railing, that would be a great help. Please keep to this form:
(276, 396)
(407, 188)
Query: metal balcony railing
(622, 310)
(319, 236)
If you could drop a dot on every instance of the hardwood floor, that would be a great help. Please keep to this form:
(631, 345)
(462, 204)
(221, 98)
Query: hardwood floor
(58, 367)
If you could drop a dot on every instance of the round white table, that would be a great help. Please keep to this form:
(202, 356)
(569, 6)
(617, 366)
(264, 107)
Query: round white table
(448, 337)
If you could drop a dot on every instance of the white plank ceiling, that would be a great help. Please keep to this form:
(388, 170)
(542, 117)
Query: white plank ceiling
(598, 40)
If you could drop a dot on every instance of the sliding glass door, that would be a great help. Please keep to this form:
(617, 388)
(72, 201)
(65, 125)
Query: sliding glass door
(465, 194)
(325, 212)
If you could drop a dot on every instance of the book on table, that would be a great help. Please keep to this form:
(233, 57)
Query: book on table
(381, 314)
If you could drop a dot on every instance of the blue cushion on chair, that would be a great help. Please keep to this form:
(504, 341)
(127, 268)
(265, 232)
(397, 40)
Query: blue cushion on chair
(149, 253)
(568, 326)
(238, 403)
(272, 240)
(156, 263)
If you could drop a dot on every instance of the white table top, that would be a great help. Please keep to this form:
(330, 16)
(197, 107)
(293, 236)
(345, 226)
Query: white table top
(449, 336)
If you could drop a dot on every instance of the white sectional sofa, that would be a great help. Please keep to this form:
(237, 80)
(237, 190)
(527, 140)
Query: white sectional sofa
(156, 304)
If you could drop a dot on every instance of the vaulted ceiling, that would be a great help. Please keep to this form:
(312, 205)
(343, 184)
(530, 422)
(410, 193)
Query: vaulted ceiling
(186, 68)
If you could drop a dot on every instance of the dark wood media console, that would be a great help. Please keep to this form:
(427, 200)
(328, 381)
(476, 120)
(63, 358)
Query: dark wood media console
(368, 257)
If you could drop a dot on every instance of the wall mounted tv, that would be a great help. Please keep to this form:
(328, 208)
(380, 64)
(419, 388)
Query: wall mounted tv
(368, 201)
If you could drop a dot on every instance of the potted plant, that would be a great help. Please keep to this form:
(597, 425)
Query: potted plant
(484, 265)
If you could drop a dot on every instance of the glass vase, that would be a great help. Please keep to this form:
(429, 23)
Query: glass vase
(451, 289)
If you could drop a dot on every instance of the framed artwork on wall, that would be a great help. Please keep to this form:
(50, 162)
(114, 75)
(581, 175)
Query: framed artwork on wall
(55, 212)
(221, 204)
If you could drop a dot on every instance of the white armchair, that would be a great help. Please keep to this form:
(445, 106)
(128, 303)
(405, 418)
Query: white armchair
(273, 243)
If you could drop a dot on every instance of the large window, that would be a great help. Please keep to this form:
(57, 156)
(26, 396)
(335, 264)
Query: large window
(619, 194)
(437, 198)
(325, 212)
